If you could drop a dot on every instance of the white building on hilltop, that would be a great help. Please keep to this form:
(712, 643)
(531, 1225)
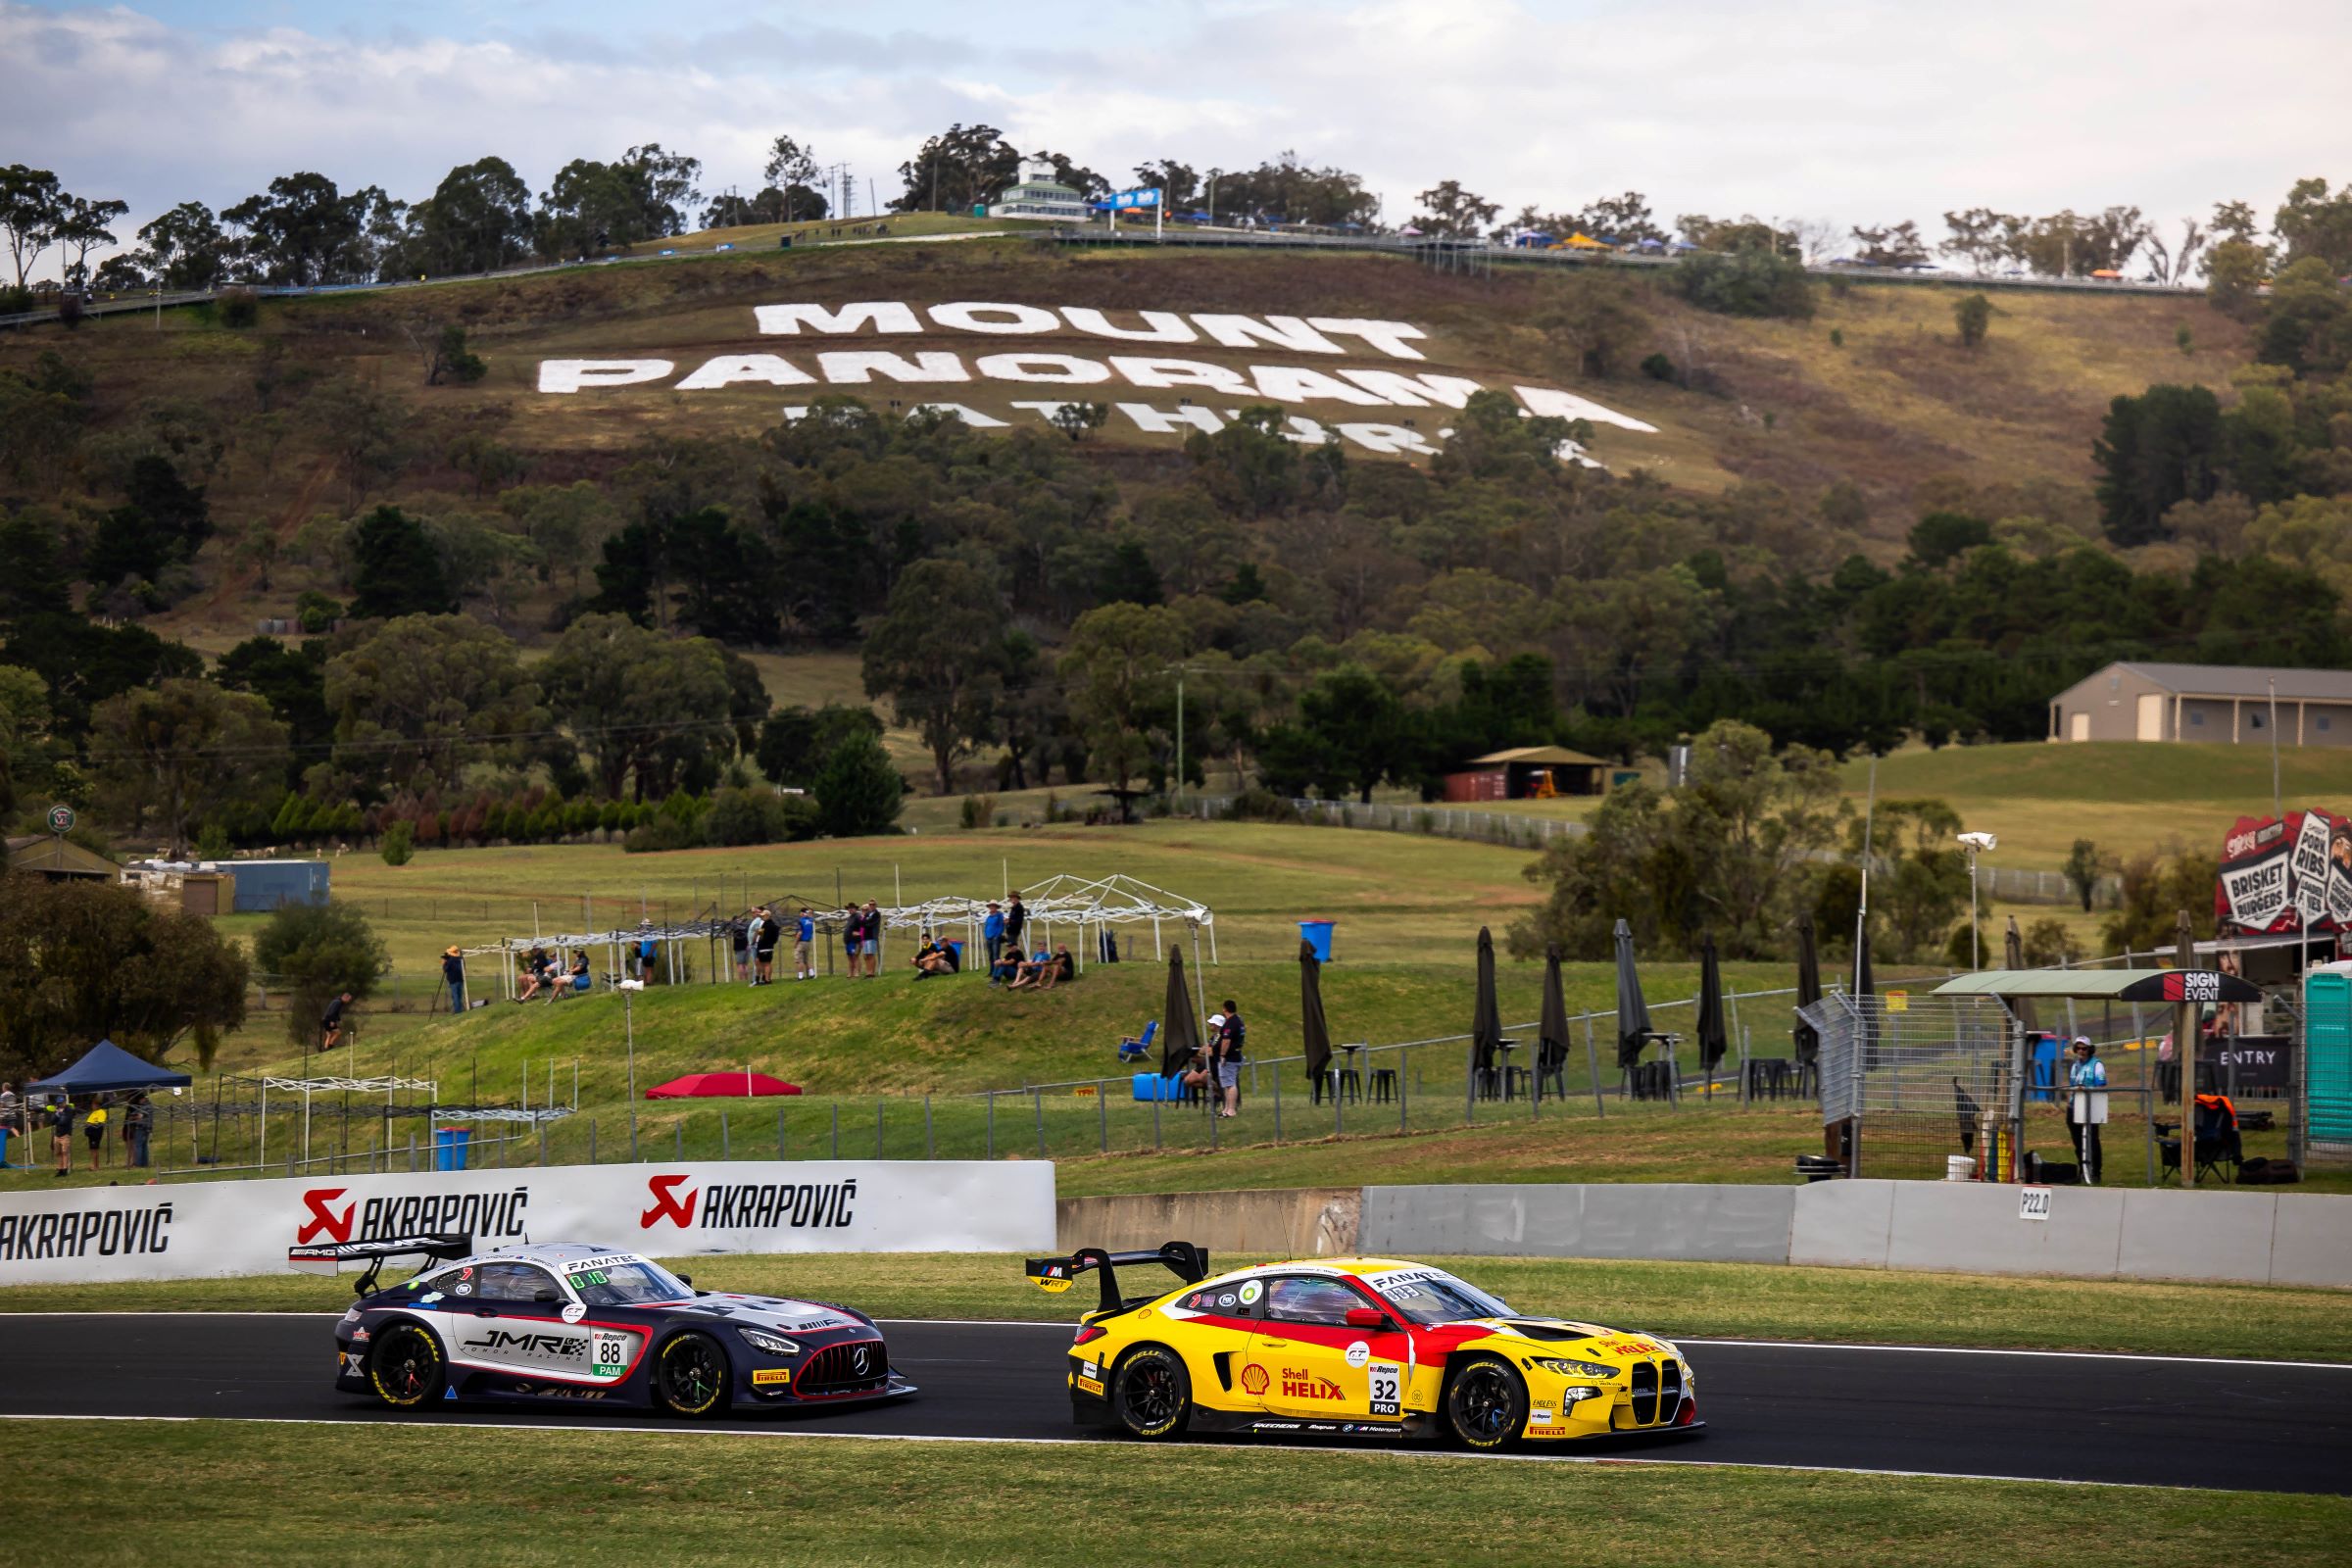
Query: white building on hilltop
(1038, 195)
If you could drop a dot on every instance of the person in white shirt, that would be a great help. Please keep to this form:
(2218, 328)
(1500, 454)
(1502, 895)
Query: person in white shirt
(2089, 1073)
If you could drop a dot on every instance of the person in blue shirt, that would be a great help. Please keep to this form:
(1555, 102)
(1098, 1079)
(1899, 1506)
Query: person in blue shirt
(2086, 1072)
(992, 932)
(647, 951)
(803, 947)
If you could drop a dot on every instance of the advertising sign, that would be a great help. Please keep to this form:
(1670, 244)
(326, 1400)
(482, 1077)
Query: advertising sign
(204, 1229)
(1125, 199)
(2285, 876)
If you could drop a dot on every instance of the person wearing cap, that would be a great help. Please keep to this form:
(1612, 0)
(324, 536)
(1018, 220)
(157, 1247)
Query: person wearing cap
(2088, 1074)
(992, 932)
(453, 972)
(804, 945)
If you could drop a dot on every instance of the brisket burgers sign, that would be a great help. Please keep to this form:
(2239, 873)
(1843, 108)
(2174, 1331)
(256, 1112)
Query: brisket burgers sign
(2286, 875)
(1353, 379)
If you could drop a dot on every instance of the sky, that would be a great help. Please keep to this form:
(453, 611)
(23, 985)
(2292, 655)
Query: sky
(1849, 111)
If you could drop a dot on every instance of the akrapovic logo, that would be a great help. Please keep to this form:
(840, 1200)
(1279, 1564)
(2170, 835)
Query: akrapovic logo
(748, 1206)
(330, 1215)
(97, 1232)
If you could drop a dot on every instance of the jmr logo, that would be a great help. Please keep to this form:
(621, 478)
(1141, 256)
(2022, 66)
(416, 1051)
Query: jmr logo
(324, 1220)
(667, 1205)
(558, 1344)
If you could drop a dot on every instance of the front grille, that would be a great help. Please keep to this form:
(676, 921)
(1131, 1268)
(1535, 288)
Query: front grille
(836, 1369)
(1646, 1393)
(1670, 1390)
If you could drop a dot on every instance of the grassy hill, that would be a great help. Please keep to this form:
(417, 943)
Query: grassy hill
(1874, 388)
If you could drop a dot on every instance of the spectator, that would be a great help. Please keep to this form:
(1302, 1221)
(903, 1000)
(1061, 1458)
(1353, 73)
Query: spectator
(1031, 972)
(804, 946)
(743, 934)
(93, 1130)
(1007, 968)
(61, 1133)
(453, 975)
(138, 1127)
(648, 949)
(873, 939)
(853, 923)
(1016, 922)
(1061, 966)
(1231, 1056)
(330, 1024)
(10, 1110)
(765, 952)
(534, 975)
(575, 979)
(992, 932)
(933, 957)
(2086, 1075)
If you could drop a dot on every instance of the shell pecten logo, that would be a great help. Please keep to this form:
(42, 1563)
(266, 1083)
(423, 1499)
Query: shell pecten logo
(1255, 1378)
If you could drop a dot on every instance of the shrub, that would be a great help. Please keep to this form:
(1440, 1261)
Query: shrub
(660, 833)
(324, 949)
(979, 810)
(239, 308)
(1753, 283)
(861, 790)
(1659, 367)
(314, 612)
(1974, 316)
(1258, 805)
(753, 815)
(398, 843)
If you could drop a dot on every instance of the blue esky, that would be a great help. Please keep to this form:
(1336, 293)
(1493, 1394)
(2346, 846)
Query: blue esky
(1844, 111)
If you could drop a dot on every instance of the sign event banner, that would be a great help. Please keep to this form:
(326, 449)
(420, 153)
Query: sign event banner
(203, 1229)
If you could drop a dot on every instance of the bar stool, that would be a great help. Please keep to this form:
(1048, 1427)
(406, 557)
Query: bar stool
(1554, 1072)
(1383, 1085)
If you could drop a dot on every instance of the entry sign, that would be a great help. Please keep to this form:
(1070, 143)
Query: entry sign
(61, 820)
(2033, 1203)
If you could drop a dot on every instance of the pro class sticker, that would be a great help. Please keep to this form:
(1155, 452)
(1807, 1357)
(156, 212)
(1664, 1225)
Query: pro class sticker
(1385, 1380)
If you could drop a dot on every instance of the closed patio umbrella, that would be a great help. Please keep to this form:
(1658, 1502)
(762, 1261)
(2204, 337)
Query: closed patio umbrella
(1714, 1037)
(1314, 1030)
(1485, 1018)
(2013, 957)
(1181, 1039)
(1551, 1033)
(1806, 1038)
(1865, 986)
(1633, 1013)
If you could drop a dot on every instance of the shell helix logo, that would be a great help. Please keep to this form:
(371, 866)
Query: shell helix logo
(1255, 1378)
(1300, 1385)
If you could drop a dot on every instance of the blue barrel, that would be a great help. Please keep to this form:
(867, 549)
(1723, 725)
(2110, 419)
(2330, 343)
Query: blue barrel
(1318, 937)
(449, 1146)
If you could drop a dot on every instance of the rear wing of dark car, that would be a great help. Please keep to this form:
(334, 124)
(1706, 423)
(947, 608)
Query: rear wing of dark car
(1187, 1261)
(327, 1257)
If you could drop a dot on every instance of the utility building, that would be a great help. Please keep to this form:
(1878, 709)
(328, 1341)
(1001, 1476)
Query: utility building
(2227, 705)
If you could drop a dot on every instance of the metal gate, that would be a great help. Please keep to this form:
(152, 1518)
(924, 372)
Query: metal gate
(1916, 1078)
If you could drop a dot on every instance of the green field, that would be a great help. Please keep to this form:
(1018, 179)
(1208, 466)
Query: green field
(265, 1494)
(1711, 1301)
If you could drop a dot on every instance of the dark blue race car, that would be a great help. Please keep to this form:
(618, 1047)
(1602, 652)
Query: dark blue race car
(572, 1324)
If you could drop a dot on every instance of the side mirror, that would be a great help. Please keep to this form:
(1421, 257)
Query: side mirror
(547, 1293)
(1368, 1317)
(685, 1279)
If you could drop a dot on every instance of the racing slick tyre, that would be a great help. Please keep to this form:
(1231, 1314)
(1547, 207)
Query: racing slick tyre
(405, 1366)
(1151, 1394)
(1485, 1403)
(690, 1376)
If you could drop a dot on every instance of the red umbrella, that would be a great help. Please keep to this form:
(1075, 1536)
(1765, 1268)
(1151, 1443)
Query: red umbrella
(722, 1086)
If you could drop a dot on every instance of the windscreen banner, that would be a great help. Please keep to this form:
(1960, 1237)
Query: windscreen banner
(197, 1230)
(2286, 875)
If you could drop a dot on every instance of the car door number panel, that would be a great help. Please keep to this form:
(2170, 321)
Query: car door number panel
(1386, 1380)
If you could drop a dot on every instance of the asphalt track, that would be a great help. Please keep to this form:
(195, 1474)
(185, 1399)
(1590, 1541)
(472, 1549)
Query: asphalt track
(2261, 1426)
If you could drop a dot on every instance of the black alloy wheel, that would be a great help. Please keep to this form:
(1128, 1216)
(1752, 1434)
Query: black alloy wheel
(1485, 1403)
(691, 1376)
(1151, 1394)
(405, 1366)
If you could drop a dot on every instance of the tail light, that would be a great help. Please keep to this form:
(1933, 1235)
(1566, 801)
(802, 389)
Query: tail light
(1087, 1333)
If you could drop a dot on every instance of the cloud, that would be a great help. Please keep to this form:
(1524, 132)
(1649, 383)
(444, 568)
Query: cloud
(1856, 110)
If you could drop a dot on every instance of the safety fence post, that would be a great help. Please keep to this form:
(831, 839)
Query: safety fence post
(1039, 1096)
(992, 1124)
(779, 1132)
(1155, 1122)
(591, 1145)
(1592, 1064)
(677, 1138)
(726, 1149)
(543, 1142)
(1404, 1062)
(1103, 1115)
(877, 1126)
(1278, 1108)
(930, 1145)
(411, 1153)
(837, 1129)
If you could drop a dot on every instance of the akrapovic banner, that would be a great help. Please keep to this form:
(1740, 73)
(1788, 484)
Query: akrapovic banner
(228, 1227)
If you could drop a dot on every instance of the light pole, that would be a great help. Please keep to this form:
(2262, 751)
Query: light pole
(1975, 844)
(628, 1022)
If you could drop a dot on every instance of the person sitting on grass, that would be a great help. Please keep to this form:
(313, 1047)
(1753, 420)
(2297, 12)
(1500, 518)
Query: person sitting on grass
(1007, 968)
(1029, 970)
(931, 959)
(534, 975)
(1061, 966)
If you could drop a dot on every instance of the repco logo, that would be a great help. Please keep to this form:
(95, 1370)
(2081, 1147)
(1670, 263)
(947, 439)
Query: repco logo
(336, 1227)
(668, 1205)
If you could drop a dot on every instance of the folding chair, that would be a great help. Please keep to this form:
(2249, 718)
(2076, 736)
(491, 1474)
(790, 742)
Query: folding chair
(1135, 1048)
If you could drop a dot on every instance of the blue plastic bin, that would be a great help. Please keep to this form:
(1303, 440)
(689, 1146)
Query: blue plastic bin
(1318, 937)
(449, 1146)
(1151, 1086)
(2044, 1071)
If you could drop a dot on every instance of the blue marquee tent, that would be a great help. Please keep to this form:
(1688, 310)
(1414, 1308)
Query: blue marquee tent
(106, 1068)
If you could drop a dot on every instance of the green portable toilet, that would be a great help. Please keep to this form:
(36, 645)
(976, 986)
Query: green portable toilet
(2327, 1052)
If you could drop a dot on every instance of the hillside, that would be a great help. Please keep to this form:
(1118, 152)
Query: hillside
(1874, 389)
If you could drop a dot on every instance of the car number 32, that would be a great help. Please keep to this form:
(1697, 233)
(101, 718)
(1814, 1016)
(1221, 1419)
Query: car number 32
(1384, 1382)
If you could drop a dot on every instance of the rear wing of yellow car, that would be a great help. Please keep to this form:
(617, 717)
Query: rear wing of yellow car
(1187, 1261)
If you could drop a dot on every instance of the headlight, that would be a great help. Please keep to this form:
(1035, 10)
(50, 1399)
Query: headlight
(772, 1344)
(1577, 1369)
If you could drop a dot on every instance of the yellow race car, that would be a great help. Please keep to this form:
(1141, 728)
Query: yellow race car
(1361, 1347)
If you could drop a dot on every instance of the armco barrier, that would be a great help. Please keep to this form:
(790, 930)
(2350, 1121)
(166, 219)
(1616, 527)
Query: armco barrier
(1629, 1220)
(1308, 1222)
(200, 1229)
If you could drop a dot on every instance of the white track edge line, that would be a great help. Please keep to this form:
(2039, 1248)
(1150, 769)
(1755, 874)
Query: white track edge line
(1062, 1442)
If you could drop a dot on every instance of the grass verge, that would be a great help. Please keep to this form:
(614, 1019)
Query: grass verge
(254, 1494)
(1700, 1301)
